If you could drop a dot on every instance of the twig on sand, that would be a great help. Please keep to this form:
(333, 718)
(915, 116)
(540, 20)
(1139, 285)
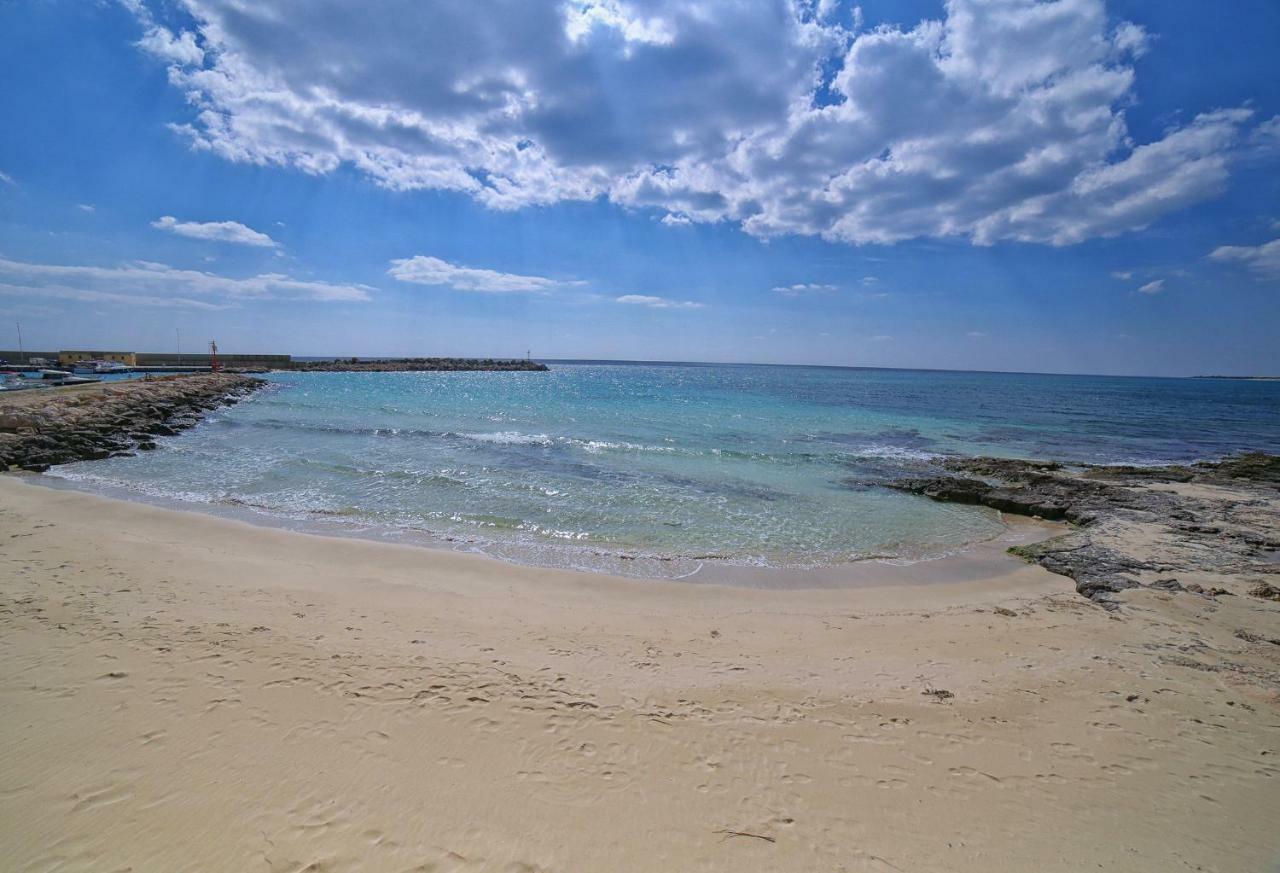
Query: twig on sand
(941, 695)
(728, 833)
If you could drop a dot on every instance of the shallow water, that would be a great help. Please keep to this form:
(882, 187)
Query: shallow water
(654, 469)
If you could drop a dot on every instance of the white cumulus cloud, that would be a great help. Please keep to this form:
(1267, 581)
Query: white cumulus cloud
(1264, 260)
(426, 270)
(218, 231)
(998, 120)
(181, 49)
(147, 283)
(658, 302)
(803, 289)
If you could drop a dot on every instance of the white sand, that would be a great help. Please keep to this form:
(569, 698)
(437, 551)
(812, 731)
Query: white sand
(180, 692)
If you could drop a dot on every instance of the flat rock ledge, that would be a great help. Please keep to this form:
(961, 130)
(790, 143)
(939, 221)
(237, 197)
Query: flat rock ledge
(1209, 528)
(39, 429)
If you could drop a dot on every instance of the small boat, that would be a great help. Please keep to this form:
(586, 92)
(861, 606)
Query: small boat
(99, 368)
(15, 382)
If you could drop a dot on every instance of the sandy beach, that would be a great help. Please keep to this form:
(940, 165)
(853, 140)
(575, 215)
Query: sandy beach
(183, 692)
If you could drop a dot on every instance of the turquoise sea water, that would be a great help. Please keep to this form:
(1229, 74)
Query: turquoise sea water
(655, 469)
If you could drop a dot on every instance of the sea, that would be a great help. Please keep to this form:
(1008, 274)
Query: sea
(661, 470)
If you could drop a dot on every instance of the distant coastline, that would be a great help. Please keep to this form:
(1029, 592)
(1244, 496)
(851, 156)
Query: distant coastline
(395, 365)
(1242, 378)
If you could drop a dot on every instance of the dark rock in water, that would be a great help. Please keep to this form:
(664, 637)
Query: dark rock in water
(1119, 512)
(976, 492)
(1124, 473)
(1251, 467)
(1001, 468)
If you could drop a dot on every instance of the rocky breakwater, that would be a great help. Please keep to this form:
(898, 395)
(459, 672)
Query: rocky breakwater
(39, 429)
(1211, 529)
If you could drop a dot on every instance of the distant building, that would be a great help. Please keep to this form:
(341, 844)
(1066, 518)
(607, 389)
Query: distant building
(69, 358)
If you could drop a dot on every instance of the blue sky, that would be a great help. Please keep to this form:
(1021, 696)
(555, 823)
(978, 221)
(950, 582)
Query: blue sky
(1070, 186)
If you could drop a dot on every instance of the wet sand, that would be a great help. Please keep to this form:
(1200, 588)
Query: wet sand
(179, 691)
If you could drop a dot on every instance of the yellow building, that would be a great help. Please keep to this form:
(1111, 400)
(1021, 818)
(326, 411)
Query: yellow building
(67, 359)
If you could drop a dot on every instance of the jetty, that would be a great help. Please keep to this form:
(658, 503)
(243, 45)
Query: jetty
(162, 363)
(39, 429)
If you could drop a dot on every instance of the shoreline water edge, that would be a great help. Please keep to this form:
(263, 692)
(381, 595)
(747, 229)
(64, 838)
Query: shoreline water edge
(1193, 508)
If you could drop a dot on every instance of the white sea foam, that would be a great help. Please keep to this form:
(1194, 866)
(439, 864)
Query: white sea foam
(896, 453)
(596, 447)
(509, 438)
(148, 489)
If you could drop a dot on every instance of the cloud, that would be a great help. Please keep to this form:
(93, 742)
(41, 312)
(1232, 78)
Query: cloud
(63, 292)
(426, 270)
(1000, 120)
(145, 282)
(1263, 260)
(804, 289)
(584, 16)
(1153, 287)
(180, 49)
(658, 302)
(217, 231)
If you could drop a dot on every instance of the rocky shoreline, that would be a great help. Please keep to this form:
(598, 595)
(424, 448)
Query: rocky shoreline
(1211, 529)
(39, 429)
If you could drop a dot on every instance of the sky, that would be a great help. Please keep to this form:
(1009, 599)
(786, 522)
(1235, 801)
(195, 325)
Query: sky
(1030, 185)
